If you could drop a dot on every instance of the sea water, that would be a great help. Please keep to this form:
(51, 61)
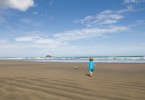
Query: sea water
(99, 59)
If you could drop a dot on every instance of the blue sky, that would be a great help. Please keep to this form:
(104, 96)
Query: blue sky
(33, 28)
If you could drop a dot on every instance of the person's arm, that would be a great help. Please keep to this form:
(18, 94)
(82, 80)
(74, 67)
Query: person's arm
(94, 65)
(87, 66)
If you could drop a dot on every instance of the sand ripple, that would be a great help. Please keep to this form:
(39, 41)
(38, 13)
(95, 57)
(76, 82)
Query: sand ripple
(46, 89)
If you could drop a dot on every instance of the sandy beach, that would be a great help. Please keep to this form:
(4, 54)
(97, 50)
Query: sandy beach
(24, 80)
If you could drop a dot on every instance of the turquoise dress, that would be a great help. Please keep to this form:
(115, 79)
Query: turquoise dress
(91, 66)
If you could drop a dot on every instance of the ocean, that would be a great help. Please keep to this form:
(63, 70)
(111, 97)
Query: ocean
(99, 59)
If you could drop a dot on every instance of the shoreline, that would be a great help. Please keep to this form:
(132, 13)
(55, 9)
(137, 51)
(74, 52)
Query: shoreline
(97, 59)
(71, 61)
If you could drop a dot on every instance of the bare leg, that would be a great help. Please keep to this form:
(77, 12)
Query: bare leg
(91, 74)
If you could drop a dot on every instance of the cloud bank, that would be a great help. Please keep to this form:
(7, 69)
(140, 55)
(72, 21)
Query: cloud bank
(106, 18)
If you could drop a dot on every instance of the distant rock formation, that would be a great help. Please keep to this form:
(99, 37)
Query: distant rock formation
(48, 56)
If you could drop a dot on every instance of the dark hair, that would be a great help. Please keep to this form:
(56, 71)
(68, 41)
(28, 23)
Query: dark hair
(91, 59)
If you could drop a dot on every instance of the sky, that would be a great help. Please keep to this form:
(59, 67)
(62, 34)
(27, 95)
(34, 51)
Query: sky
(36, 28)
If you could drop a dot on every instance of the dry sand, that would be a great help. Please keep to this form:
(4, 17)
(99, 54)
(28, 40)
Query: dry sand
(21, 80)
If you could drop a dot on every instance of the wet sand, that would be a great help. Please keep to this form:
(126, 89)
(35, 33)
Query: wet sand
(23, 80)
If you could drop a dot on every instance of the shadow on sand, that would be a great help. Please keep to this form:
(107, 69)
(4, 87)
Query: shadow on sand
(88, 75)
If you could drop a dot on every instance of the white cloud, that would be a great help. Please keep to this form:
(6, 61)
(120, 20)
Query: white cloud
(26, 39)
(21, 5)
(129, 7)
(132, 1)
(103, 18)
(35, 39)
(134, 5)
(42, 41)
(88, 33)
